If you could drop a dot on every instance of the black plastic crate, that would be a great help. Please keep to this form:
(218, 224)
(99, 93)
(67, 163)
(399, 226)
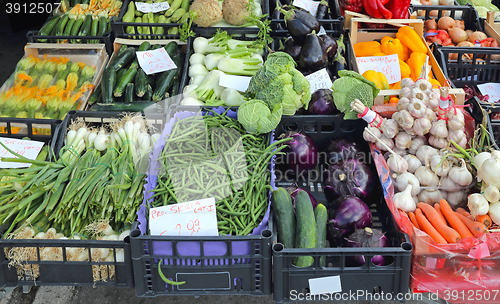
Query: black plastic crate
(106, 39)
(393, 278)
(467, 13)
(334, 21)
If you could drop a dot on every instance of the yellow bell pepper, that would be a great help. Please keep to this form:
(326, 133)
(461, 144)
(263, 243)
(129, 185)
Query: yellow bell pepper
(405, 69)
(393, 47)
(406, 52)
(365, 49)
(416, 62)
(379, 79)
(411, 39)
(379, 54)
(434, 82)
(395, 86)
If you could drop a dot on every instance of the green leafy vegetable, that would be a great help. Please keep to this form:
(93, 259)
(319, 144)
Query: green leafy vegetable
(256, 117)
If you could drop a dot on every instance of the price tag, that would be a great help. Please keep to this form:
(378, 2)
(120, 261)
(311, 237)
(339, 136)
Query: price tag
(26, 148)
(388, 65)
(152, 7)
(325, 285)
(155, 61)
(311, 6)
(319, 80)
(195, 218)
(239, 83)
(491, 89)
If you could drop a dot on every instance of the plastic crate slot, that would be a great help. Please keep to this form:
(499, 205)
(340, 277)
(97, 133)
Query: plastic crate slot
(290, 127)
(238, 284)
(328, 128)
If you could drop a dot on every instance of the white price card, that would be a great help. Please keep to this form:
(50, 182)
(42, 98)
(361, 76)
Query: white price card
(239, 83)
(388, 65)
(309, 5)
(319, 80)
(195, 218)
(155, 61)
(491, 89)
(327, 285)
(151, 7)
(26, 148)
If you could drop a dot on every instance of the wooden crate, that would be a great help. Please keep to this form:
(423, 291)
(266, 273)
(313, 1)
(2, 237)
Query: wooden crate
(356, 35)
(492, 27)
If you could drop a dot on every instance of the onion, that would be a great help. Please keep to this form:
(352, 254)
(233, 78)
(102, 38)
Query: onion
(469, 32)
(446, 23)
(350, 213)
(457, 34)
(460, 24)
(477, 36)
(301, 153)
(368, 237)
(430, 25)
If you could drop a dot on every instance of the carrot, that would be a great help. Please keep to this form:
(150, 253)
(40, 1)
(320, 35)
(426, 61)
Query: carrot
(463, 212)
(485, 219)
(452, 218)
(438, 209)
(477, 228)
(413, 220)
(449, 234)
(427, 228)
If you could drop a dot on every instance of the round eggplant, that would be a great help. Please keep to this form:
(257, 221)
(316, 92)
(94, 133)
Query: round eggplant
(329, 45)
(293, 49)
(300, 23)
(312, 57)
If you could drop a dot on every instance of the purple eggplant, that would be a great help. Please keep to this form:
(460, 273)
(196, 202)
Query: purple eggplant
(322, 103)
(368, 238)
(299, 23)
(312, 57)
(300, 154)
(345, 215)
(322, 10)
(352, 177)
(342, 148)
(293, 49)
(329, 45)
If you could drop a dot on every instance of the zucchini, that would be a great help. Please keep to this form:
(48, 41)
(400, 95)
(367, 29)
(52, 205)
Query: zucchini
(281, 202)
(93, 29)
(47, 27)
(305, 233)
(177, 15)
(124, 80)
(321, 217)
(74, 2)
(129, 93)
(141, 81)
(69, 26)
(61, 24)
(96, 95)
(85, 29)
(84, 1)
(119, 76)
(107, 81)
(123, 58)
(176, 86)
(156, 46)
(76, 27)
(149, 93)
(173, 7)
(163, 84)
(145, 46)
(136, 106)
(171, 47)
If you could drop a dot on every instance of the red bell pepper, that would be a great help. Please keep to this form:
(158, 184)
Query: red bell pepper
(376, 9)
(351, 5)
(385, 12)
(399, 8)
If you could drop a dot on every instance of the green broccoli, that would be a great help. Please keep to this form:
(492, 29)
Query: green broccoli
(278, 82)
(350, 86)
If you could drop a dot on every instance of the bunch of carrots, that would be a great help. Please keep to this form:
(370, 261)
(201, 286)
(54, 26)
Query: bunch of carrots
(446, 226)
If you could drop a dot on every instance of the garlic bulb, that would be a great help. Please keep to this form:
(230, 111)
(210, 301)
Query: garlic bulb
(389, 127)
(389, 142)
(401, 152)
(404, 201)
(407, 83)
(456, 121)
(440, 169)
(370, 138)
(435, 95)
(432, 103)
(430, 196)
(417, 108)
(478, 162)
(421, 126)
(477, 204)
(455, 198)
(405, 120)
(405, 92)
(403, 103)
(461, 175)
(430, 115)
(439, 129)
(410, 131)
(455, 135)
(438, 142)
(416, 143)
(448, 185)
(491, 194)
(405, 179)
(397, 164)
(424, 153)
(418, 94)
(424, 85)
(426, 177)
(413, 163)
(490, 170)
(463, 142)
(402, 140)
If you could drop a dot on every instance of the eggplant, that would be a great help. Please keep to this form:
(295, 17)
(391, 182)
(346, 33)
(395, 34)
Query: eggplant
(322, 10)
(329, 45)
(293, 49)
(322, 103)
(333, 69)
(312, 57)
(299, 23)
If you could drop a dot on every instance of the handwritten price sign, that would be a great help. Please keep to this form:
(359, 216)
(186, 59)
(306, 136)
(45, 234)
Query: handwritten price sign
(195, 218)
(155, 61)
(491, 89)
(152, 7)
(388, 65)
(311, 6)
(26, 148)
(319, 80)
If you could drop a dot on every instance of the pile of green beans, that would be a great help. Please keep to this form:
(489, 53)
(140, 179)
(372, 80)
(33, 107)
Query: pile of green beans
(213, 156)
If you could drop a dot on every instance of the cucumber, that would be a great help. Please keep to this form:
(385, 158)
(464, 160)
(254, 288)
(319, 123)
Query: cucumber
(281, 202)
(69, 26)
(321, 217)
(47, 27)
(124, 80)
(61, 25)
(141, 81)
(123, 58)
(129, 92)
(107, 81)
(137, 106)
(149, 93)
(119, 76)
(305, 232)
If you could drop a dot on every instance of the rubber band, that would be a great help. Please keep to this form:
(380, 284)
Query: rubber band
(436, 86)
(379, 124)
(364, 112)
(103, 165)
(114, 149)
(369, 116)
(127, 142)
(138, 175)
(430, 34)
(121, 173)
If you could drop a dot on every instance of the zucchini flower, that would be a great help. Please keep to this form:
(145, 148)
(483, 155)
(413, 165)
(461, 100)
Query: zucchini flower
(32, 106)
(39, 66)
(45, 81)
(26, 63)
(22, 114)
(52, 107)
(61, 84)
(75, 68)
(87, 74)
(39, 115)
(50, 67)
(66, 106)
(61, 67)
(71, 82)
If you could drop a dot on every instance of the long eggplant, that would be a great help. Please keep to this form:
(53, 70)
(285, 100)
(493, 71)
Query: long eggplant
(312, 57)
(299, 23)
(322, 11)
(293, 49)
(329, 45)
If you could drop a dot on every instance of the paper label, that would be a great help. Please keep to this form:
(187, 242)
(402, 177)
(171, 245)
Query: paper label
(155, 61)
(195, 218)
(327, 285)
(319, 80)
(151, 7)
(239, 83)
(309, 5)
(388, 65)
(491, 89)
(26, 148)
(321, 31)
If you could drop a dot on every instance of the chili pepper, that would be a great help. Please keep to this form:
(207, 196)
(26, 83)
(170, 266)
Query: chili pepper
(411, 39)
(416, 62)
(399, 8)
(379, 79)
(364, 49)
(392, 46)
